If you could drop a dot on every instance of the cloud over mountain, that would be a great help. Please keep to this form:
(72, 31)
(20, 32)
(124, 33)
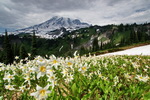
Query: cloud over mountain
(24, 13)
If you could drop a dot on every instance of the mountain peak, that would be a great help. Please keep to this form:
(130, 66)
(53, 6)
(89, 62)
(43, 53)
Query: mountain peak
(55, 23)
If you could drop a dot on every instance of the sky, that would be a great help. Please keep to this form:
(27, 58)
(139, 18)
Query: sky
(17, 14)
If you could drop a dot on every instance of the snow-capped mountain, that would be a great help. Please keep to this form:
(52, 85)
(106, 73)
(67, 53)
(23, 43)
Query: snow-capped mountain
(47, 29)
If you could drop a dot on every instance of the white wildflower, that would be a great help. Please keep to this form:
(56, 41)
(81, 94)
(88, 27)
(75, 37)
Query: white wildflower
(41, 93)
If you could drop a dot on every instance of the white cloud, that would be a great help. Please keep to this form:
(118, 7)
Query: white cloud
(24, 13)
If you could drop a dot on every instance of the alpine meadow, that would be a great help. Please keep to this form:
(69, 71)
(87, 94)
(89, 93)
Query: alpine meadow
(74, 50)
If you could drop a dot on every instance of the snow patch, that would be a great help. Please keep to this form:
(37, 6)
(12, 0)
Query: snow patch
(142, 50)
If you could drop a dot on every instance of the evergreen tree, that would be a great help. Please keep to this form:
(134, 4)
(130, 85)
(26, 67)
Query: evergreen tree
(126, 27)
(136, 37)
(122, 42)
(95, 45)
(101, 45)
(134, 25)
(82, 50)
(132, 37)
(1, 56)
(146, 33)
(15, 49)
(139, 35)
(121, 28)
(8, 54)
(23, 53)
(34, 46)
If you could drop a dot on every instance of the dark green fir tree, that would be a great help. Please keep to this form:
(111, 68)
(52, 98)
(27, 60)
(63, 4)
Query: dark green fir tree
(8, 54)
(34, 46)
(23, 52)
(95, 45)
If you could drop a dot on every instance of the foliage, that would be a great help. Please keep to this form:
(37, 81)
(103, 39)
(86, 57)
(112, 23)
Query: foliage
(78, 78)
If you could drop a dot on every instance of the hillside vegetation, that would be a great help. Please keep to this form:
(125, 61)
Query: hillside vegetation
(85, 40)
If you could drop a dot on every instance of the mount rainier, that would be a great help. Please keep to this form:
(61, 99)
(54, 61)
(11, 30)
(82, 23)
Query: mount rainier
(54, 27)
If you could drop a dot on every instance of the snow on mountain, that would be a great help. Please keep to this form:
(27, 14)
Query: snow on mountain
(47, 28)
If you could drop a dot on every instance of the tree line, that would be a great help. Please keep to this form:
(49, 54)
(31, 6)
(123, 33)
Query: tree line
(22, 45)
(10, 51)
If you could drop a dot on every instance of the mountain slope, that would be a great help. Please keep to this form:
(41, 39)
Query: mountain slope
(47, 28)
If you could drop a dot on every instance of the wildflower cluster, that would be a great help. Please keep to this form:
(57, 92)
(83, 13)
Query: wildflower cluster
(52, 78)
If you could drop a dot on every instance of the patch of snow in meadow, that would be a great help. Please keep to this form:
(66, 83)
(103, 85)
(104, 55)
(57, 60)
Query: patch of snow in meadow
(142, 50)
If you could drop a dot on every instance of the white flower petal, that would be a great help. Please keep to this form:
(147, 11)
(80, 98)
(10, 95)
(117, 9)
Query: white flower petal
(35, 94)
(38, 87)
(38, 75)
(49, 67)
(46, 87)
(48, 92)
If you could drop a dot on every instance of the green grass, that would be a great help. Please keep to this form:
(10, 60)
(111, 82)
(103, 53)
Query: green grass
(117, 37)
